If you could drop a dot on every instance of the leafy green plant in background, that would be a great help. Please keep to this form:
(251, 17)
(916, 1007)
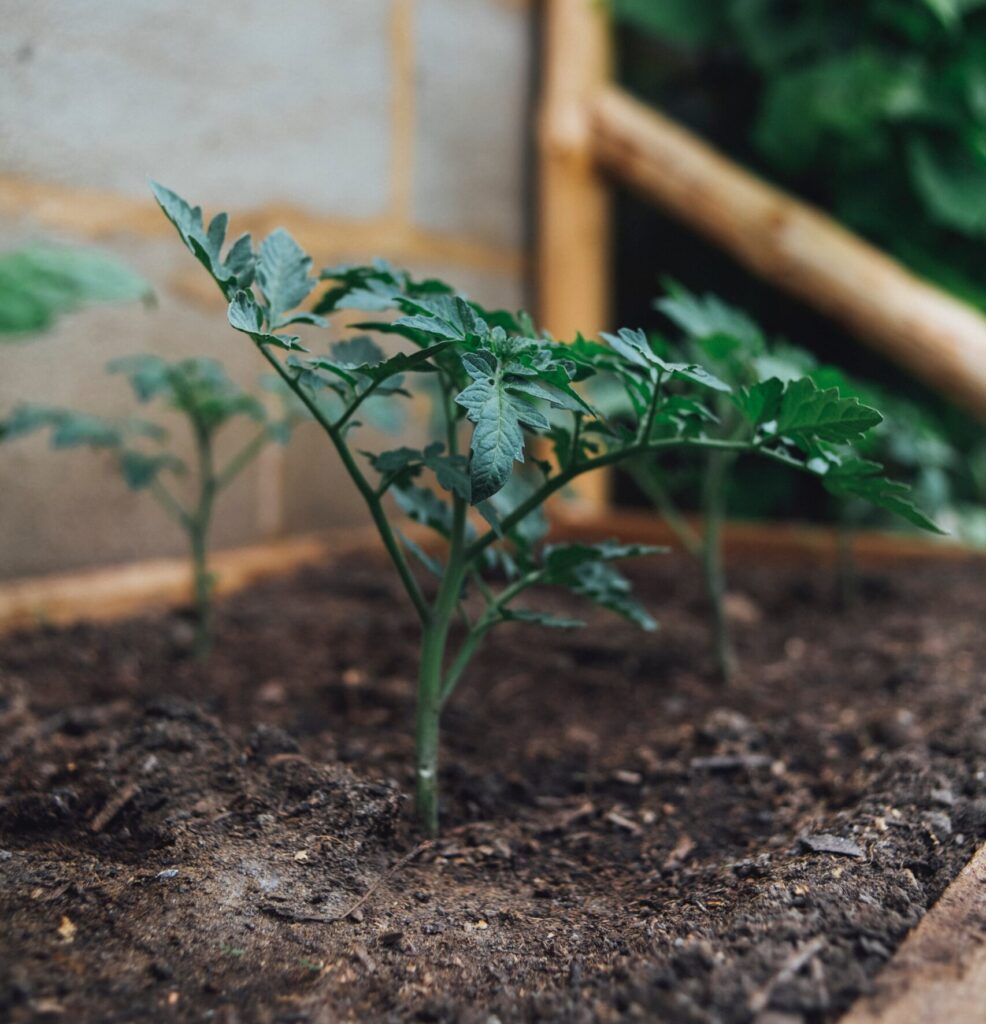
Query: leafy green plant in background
(40, 282)
(494, 375)
(201, 392)
(876, 109)
(729, 344)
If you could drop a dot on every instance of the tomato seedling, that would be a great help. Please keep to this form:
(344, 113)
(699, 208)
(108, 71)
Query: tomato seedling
(494, 376)
(201, 392)
(775, 390)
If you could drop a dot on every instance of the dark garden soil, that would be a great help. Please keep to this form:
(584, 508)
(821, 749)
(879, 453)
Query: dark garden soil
(624, 839)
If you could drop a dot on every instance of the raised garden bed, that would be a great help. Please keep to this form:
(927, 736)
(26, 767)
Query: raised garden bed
(623, 838)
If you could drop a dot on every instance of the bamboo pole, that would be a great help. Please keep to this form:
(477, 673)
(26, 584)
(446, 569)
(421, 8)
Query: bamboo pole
(795, 247)
(573, 202)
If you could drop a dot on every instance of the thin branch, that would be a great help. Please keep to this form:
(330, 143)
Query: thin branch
(170, 504)
(573, 455)
(242, 459)
(360, 399)
(367, 492)
(655, 491)
(556, 483)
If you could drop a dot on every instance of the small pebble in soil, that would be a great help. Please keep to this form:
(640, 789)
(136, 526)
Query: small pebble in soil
(824, 843)
(167, 873)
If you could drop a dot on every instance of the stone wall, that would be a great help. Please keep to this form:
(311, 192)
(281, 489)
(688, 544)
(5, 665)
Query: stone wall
(396, 128)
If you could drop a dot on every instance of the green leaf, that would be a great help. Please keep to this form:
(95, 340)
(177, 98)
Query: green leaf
(560, 559)
(199, 388)
(602, 584)
(76, 429)
(849, 99)
(246, 316)
(140, 470)
(403, 464)
(862, 478)
(532, 528)
(545, 619)
(807, 413)
(705, 317)
(374, 288)
(497, 412)
(358, 351)
(425, 507)
(634, 347)
(433, 565)
(760, 403)
(283, 274)
(39, 283)
(442, 316)
(237, 270)
(951, 12)
(585, 570)
(451, 471)
(951, 179)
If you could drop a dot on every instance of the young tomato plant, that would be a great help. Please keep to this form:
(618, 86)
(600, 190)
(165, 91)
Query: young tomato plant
(763, 381)
(200, 391)
(494, 375)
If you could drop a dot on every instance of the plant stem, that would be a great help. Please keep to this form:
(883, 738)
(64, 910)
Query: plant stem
(203, 588)
(461, 662)
(713, 502)
(610, 458)
(368, 494)
(430, 675)
(845, 563)
(645, 478)
(170, 504)
(242, 459)
(198, 529)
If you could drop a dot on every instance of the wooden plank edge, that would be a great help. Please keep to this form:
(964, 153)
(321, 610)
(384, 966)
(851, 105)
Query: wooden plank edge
(938, 975)
(115, 592)
(774, 542)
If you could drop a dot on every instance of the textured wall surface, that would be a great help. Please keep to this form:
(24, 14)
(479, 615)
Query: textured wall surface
(367, 127)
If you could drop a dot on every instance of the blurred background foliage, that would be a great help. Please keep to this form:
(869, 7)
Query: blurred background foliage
(40, 282)
(873, 110)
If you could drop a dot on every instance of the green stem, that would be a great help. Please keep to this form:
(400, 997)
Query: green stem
(461, 662)
(170, 504)
(845, 565)
(242, 459)
(610, 458)
(203, 592)
(645, 477)
(647, 425)
(713, 503)
(369, 495)
(340, 423)
(198, 529)
(430, 676)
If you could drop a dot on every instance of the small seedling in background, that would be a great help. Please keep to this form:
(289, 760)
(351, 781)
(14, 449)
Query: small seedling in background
(496, 374)
(200, 391)
(911, 441)
(760, 378)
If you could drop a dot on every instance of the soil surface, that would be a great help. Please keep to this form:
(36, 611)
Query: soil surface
(624, 838)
